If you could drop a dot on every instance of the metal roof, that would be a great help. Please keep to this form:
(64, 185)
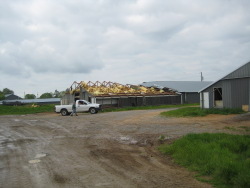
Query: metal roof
(8, 95)
(180, 86)
(225, 77)
(35, 100)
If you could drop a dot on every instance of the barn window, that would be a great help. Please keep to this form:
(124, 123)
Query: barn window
(218, 100)
(217, 94)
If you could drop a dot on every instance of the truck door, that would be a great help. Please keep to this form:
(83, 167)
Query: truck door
(82, 106)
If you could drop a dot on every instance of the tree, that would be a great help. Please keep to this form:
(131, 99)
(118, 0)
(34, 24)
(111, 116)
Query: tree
(30, 96)
(46, 95)
(7, 91)
(2, 97)
(56, 94)
(62, 93)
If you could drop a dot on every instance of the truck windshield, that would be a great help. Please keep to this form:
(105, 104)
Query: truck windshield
(86, 102)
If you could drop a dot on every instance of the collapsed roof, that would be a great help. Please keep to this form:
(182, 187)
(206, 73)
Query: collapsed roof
(108, 89)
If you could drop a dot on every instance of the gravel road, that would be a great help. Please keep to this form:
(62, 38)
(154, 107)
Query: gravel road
(116, 149)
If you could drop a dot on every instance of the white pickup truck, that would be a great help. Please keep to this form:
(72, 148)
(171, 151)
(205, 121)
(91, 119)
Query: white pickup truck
(81, 106)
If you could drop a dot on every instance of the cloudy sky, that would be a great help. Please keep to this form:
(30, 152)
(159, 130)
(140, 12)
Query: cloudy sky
(48, 44)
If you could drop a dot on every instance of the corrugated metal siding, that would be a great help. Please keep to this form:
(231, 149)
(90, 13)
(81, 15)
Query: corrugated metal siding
(226, 94)
(240, 92)
(242, 72)
(249, 93)
(192, 98)
(138, 101)
(163, 100)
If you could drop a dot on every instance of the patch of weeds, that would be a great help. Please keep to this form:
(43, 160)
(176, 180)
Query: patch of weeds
(231, 128)
(162, 138)
(247, 129)
(223, 159)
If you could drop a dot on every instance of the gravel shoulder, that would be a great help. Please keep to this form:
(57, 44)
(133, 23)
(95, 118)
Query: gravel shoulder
(116, 149)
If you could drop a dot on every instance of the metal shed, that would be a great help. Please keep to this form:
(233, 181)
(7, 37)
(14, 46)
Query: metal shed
(231, 91)
(188, 89)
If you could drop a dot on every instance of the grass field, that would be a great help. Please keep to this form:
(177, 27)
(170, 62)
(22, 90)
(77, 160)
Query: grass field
(197, 111)
(146, 107)
(220, 159)
(29, 109)
(25, 109)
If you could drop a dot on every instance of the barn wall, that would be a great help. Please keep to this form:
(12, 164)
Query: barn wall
(240, 92)
(191, 97)
(227, 94)
(163, 100)
(138, 101)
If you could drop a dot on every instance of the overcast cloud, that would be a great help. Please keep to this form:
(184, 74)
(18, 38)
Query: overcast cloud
(48, 44)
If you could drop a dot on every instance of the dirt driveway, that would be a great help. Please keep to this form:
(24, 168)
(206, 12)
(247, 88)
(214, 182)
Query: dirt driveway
(116, 149)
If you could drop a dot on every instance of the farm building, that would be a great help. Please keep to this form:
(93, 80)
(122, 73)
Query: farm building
(110, 94)
(189, 89)
(231, 91)
(12, 97)
(31, 101)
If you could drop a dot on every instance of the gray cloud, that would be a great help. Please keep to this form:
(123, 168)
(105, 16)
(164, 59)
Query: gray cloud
(127, 41)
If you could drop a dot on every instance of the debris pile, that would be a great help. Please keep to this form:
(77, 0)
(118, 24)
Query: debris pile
(111, 88)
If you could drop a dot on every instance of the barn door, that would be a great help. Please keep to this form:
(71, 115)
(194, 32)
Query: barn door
(206, 99)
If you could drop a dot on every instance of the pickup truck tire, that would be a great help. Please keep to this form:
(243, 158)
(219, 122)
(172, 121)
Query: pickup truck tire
(93, 111)
(64, 112)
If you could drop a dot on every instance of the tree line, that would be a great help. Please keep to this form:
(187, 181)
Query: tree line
(55, 94)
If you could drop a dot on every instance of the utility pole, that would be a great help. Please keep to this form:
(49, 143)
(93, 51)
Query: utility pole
(202, 78)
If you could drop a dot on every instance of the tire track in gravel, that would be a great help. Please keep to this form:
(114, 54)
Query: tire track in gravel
(103, 150)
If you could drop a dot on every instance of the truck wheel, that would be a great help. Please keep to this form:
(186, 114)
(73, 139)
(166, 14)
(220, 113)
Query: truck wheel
(64, 112)
(92, 110)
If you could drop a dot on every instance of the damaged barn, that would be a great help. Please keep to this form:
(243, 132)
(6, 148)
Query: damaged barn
(110, 94)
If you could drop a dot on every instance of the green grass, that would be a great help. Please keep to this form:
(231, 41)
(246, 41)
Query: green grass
(26, 109)
(223, 158)
(197, 111)
(247, 129)
(146, 107)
